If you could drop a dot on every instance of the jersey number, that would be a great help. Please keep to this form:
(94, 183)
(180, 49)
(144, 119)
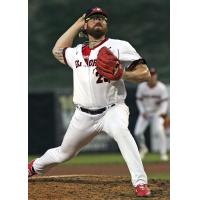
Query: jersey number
(101, 79)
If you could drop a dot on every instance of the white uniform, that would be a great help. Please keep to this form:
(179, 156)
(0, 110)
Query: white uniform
(91, 93)
(153, 102)
(87, 92)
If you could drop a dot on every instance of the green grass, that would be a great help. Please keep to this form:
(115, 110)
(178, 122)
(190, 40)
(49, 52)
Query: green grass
(152, 158)
(111, 158)
(159, 175)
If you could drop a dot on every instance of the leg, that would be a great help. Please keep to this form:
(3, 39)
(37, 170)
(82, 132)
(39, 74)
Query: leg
(116, 125)
(158, 128)
(80, 132)
(140, 127)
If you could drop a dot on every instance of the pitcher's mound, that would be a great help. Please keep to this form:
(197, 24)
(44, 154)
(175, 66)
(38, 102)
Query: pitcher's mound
(92, 187)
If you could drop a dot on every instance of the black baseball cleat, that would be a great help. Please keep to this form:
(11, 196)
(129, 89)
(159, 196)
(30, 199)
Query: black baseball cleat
(31, 171)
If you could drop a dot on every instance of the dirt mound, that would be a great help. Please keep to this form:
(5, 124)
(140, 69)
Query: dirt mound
(91, 187)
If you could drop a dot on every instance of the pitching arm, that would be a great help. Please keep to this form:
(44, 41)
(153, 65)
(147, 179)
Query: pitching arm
(66, 40)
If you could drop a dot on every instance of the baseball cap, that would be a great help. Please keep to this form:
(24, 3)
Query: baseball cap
(152, 71)
(95, 10)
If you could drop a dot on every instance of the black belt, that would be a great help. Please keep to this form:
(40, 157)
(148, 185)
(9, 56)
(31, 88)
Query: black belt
(95, 112)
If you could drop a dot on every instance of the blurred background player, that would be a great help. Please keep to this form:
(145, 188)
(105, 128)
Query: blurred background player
(152, 102)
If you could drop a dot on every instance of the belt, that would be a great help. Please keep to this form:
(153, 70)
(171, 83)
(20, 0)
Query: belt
(95, 112)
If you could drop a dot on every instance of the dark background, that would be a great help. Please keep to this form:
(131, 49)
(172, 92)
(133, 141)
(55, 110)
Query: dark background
(144, 23)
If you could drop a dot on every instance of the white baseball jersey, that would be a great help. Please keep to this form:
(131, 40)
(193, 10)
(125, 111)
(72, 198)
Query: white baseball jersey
(92, 90)
(152, 100)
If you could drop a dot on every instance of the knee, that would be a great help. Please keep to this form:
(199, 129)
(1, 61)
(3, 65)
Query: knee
(121, 133)
(61, 156)
(118, 126)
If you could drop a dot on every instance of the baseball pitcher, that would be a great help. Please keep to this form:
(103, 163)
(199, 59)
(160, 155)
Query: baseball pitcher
(100, 67)
(152, 102)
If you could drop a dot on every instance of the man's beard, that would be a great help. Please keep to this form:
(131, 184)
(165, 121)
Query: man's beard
(96, 33)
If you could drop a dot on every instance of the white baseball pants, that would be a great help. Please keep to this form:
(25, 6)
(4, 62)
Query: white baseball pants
(156, 127)
(84, 127)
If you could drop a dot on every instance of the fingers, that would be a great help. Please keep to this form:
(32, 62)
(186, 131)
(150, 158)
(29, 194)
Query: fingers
(82, 18)
(80, 21)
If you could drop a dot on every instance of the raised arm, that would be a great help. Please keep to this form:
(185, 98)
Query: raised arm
(66, 40)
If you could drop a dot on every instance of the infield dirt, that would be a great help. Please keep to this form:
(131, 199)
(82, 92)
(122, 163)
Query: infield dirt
(92, 187)
(110, 186)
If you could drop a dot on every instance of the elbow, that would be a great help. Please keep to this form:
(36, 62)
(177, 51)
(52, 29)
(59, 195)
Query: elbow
(57, 52)
(145, 75)
(141, 74)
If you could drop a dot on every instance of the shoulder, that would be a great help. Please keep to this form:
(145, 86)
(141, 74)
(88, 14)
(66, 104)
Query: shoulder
(72, 51)
(78, 46)
(162, 85)
(118, 42)
(123, 46)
